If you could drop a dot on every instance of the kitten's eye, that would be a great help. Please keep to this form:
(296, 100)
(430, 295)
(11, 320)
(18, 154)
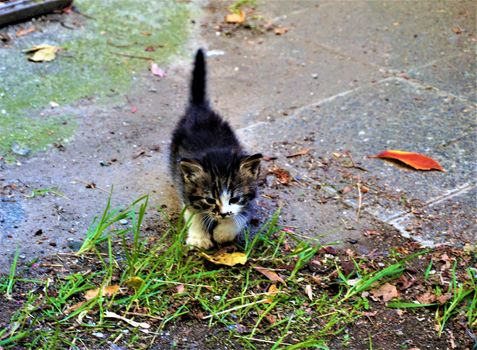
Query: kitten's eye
(234, 200)
(210, 201)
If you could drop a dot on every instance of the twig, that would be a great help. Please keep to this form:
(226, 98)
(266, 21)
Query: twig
(237, 308)
(360, 198)
(262, 340)
(132, 56)
(89, 183)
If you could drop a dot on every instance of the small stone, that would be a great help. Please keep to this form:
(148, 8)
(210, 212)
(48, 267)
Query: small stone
(20, 150)
(217, 297)
(123, 222)
(314, 76)
(74, 244)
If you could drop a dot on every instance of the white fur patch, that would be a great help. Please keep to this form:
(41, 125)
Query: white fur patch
(226, 230)
(196, 235)
(226, 207)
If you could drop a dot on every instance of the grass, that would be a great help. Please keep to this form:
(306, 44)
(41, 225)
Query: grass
(155, 281)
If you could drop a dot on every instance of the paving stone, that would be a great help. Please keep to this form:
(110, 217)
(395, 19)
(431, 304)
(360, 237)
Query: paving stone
(394, 114)
(457, 75)
(448, 221)
(393, 34)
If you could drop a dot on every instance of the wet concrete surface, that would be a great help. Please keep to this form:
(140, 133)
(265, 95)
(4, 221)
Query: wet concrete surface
(346, 81)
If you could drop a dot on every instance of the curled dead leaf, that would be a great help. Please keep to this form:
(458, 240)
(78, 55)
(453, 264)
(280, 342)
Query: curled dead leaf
(271, 275)
(280, 30)
(42, 53)
(224, 258)
(414, 160)
(107, 291)
(236, 18)
(283, 176)
(386, 291)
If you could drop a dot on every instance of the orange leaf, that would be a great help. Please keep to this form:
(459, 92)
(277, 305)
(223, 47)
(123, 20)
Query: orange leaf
(415, 160)
(235, 17)
(271, 275)
(105, 291)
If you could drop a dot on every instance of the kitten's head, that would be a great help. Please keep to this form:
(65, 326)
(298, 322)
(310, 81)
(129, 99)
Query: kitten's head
(220, 185)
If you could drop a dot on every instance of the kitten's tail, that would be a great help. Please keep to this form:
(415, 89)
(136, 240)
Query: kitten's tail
(198, 93)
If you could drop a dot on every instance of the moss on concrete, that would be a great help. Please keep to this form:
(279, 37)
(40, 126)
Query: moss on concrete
(97, 60)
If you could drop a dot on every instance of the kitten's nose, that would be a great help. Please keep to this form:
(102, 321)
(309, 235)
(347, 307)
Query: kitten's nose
(223, 215)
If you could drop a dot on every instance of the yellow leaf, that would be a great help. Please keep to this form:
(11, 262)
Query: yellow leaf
(229, 259)
(235, 17)
(135, 282)
(105, 291)
(42, 53)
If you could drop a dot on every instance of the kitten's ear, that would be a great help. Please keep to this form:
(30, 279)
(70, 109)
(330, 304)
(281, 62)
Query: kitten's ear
(191, 170)
(250, 165)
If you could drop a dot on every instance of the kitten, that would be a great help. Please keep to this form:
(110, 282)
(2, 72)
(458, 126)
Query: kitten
(216, 179)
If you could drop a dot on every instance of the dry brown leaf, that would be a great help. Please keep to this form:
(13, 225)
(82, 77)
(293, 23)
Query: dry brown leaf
(386, 291)
(283, 176)
(414, 160)
(24, 31)
(236, 18)
(280, 30)
(224, 258)
(107, 291)
(426, 298)
(301, 152)
(74, 307)
(272, 290)
(271, 275)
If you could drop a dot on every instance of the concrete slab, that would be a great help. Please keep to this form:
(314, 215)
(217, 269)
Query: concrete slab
(451, 220)
(393, 114)
(456, 75)
(395, 34)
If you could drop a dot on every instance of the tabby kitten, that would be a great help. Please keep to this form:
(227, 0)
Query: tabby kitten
(216, 179)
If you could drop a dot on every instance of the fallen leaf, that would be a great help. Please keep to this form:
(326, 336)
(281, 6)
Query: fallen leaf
(426, 298)
(107, 291)
(236, 18)
(301, 152)
(74, 307)
(272, 290)
(271, 275)
(229, 259)
(133, 109)
(24, 31)
(42, 53)
(135, 282)
(280, 30)
(309, 291)
(90, 185)
(386, 291)
(158, 72)
(150, 49)
(457, 30)
(109, 314)
(180, 288)
(283, 176)
(415, 160)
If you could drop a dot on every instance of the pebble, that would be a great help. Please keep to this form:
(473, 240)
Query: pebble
(314, 76)
(20, 150)
(123, 222)
(217, 297)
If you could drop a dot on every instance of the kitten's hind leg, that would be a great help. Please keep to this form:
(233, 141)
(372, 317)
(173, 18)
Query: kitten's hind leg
(197, 236)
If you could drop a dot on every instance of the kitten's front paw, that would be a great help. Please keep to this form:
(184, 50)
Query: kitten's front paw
(201, 243)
